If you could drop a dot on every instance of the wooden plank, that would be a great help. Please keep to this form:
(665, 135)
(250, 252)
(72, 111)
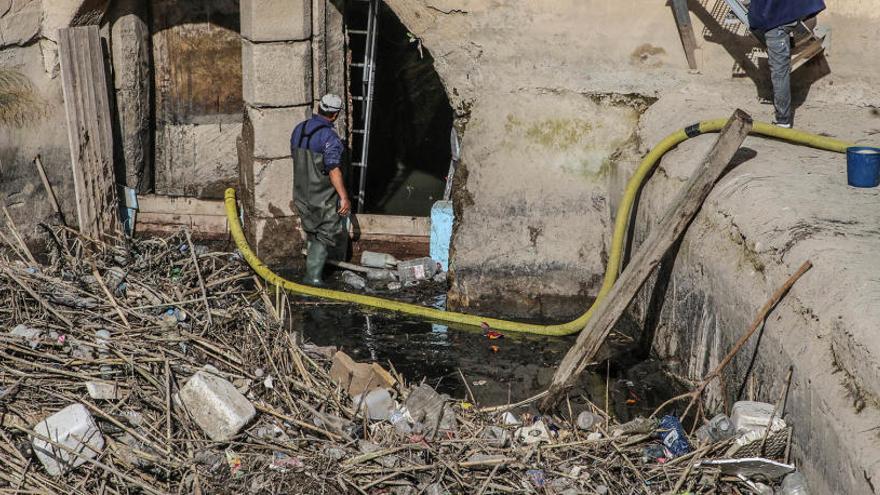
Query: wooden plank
(154, 203)
(685, 31)
(662, 237)
(86, 104)
(390, 225)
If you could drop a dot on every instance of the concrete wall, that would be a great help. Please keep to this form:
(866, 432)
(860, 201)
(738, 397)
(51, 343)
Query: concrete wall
(498, 56)
(780, 206)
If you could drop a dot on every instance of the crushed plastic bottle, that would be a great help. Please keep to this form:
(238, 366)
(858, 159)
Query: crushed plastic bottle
(586, 420)
(354, 281)
(718, 428)
(794, 484)
(382, 275)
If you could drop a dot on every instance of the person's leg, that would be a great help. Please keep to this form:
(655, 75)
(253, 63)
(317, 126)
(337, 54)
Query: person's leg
(779, 58)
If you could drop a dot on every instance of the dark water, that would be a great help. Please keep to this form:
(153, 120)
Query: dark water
(498, 371)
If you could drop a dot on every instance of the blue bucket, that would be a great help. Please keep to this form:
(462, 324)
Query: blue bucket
(863, 166)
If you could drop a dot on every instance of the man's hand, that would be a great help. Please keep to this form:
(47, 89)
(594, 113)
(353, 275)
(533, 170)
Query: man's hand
(344, 206)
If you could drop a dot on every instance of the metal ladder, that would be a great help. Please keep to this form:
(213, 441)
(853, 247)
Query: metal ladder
(367, 69)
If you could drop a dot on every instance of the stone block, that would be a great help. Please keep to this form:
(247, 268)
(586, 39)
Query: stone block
(272, 128)
(273, 188)
(276, 20)
(19, 21)
(74, 428)
(276, 74)
(215, 404)
(277, 241)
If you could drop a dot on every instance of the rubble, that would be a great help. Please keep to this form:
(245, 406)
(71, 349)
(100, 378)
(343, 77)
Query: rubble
(183, 426)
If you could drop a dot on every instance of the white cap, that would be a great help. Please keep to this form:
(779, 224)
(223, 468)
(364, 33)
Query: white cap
(331, 103)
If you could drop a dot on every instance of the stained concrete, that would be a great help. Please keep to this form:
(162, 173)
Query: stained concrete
(780, 206)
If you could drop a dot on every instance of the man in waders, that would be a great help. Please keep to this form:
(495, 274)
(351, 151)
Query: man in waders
(319, 190)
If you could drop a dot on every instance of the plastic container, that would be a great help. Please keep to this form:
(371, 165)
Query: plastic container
(378, 404)
(753, 416)
(378, 260)
(586, 420)
(794, 484)
(863, 166)
(416, 270)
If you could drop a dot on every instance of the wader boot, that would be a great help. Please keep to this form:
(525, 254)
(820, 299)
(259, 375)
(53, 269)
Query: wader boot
(316, 201)
(315, 259)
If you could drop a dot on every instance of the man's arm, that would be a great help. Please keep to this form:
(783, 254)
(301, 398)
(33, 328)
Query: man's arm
(333, 149)
(339, 185)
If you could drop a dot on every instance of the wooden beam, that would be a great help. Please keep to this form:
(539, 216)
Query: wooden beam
(685, 31)
(181, 205)
(662, 237)
(84, 84)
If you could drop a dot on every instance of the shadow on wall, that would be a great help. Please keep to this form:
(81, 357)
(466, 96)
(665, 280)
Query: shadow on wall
(748, 53)
(412, 119)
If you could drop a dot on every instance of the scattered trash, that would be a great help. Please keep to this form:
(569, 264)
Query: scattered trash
(378, 404)
(103, 391)
(235, 464)
(493, 335)
(479, 383)
(718, 428)
(586, 420)
(794, 484)
(440, 277)
(31, 335)
(655, 453)
(536, 476)
(381, 275)
(67, 439)
(535, 433)
(750, 467)
(508, 418)
(355, 377)
(215, 405)
(284, 463)
(750, 416)
(673, 436)
(496, 436)
(430, 408)
(353, 280)
(394, 286)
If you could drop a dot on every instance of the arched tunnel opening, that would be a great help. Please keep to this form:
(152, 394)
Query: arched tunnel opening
(409, 144)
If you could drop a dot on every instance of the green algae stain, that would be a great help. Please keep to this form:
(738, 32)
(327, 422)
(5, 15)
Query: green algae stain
(560, 134)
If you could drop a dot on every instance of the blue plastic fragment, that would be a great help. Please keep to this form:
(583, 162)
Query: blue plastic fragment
(673, 436)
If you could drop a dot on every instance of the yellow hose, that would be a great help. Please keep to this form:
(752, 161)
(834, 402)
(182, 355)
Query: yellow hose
(617, 242)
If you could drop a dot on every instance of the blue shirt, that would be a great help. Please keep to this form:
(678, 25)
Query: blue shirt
(323, 141)
(768, 14)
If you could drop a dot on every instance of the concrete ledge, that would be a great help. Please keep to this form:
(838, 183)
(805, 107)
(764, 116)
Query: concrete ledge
(276, 20)
(272, 128)
(277, 241)
(276, 74)
(781, 205)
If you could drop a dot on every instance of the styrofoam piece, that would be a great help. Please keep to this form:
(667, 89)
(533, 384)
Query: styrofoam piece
(31, 335)
(749, 416)
(535, 433)
(219, 409)
(74, 428)
(103, 391)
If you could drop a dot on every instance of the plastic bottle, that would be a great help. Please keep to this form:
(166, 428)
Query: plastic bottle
(718, 428)
(586, 420)
(378, 260)
(416, 270)
(794, 484)
(386, 275)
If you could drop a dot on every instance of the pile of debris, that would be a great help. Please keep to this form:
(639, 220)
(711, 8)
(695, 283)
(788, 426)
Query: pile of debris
(381, 271)
(157, 366)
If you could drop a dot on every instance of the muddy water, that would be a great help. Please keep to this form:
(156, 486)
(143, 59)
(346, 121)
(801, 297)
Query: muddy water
(498, 371)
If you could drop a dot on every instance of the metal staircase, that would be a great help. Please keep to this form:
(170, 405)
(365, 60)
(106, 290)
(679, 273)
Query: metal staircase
(365, 14)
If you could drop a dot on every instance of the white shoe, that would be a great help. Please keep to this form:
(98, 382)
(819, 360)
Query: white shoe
(784, 126)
